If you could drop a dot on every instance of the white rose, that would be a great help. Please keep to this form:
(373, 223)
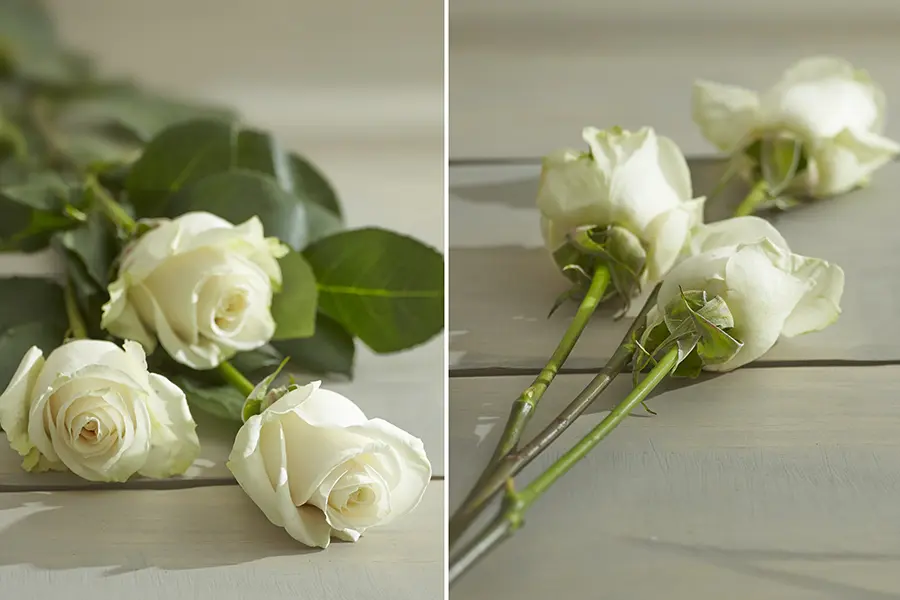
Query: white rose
(836, 111)
(770, 291)
(636, 180)
(201, 285)
(318, 467)
(93, 408)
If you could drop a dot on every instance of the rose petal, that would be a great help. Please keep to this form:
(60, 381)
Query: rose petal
(821, 305)
(415, 469)
(15, 401)
(733, 232)
(761, 295)
(573, 190)
(726, 114)
(173, 437)
(849, 159)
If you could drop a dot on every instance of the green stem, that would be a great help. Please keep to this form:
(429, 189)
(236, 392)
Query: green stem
(77, 327)
(518, 503)
(112, 209)
(525, 405)
(758, 194)
(235, 378)
(493, 480)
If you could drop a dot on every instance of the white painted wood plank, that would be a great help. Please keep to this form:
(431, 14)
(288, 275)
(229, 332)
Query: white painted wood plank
(406, 389)
(762, 483)
(204, 543)
(528, 79)
(502, 282)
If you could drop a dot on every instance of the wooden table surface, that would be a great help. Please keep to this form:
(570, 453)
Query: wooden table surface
(368, 111)
(778, 480)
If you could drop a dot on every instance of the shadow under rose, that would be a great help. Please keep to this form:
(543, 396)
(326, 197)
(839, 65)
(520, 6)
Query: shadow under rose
(129, 531)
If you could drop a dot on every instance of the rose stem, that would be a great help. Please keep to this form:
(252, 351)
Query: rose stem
(77, 328)
(748, 205)
(492, 481)
(512, 515)
(525, 405)
(235, 378)
(109, 206)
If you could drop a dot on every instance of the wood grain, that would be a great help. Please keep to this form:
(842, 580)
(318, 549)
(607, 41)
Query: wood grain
(406, 389)
(527, 77)
(204, 543)
(762, 483)
(502, 283)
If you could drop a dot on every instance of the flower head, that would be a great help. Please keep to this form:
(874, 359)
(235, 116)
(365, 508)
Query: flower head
(199, 284)
(92, 408)
(636, 183)
(833, 110)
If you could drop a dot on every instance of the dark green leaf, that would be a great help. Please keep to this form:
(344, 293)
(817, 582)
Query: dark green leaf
(29, 45)
(310, 185)
(253, 362)
(137, 111)
(239, 195)
(329, 351)
(26, 299)
(383, 287)
(222, 401)
(93, 243)
(294, 307)
(189, 152)
(16, 341)
(180, 155)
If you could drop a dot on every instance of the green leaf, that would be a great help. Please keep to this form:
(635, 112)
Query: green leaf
(383, 287)
(27, 299)
(94, 244)
(329, 351)
(253, 362)
(45, 191)
(179, 155)
(294, 307)
(239, 195)
(141, 113)
(29, 45)
(222, 401)
(310, 185)
(16, 341)
(253, 405)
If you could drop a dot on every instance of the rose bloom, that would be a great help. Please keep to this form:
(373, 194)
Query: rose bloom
(318, 467)
(199, 284)
(836, 111)
(770, 291)
(636, 181)
(92, 408)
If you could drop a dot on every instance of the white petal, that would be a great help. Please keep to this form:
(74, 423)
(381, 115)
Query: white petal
(640, 189)
(821, 305)
(15, 401)
(675, 167)
(305, 524)
(415, 469)
(736, 231)
(821, 96)
(173, 437)
(320, 407)
(849, 159)
(75, 355)
(572, 190)
(702, 272)
(120, 317)
(314, 452)
(761, 295)
(726, 114)
(666, 236)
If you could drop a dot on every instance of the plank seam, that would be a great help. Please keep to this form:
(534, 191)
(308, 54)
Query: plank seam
(483, 372)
